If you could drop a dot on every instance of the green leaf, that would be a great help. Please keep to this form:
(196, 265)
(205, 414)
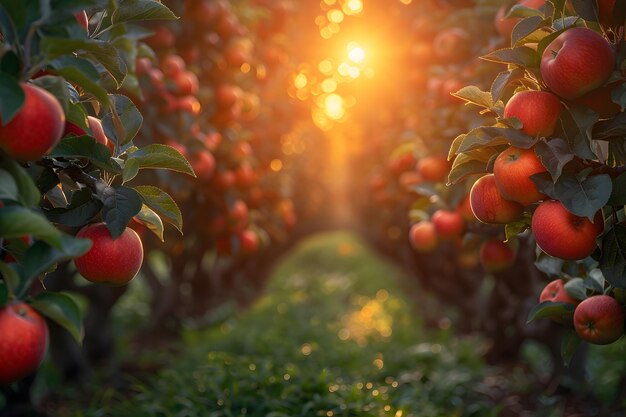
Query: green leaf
(130, 171)
(523, 56)
(82, 208)
(18, 221)
(82, 72)
(8, 187)
(474, 95)
(10, 277)
(513, 229)
(62, 309)
(586, 9)
(130, 118)
(525, 27)
(549, 309)
(570, 343)
(120, 205)
(613, 259)
(28, 194)
(610, 128)
(161, 202)
(549, 265)
(151, 220)
(575, 287)
(162, 156)
(578, 123)
(469, 163)
(10, 64)
(96, 50)
(11, 98)
(554, 155)
(618, 194)
(503, 80)
(57, 87)
(618, 95)
(483, 136)
(595, 281)
(86, 147)
(583, 196)
(41, 257)
(136, 10)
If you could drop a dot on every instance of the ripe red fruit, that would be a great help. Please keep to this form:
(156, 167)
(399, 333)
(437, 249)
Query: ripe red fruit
(564, 235)
(452, 44)
(600, 101)
(186, 83)
(203, 164)
(465, 208)
(555, 291)
(36, 128)
(537, 110)
(577, 61)
(109, 261)
(172, 65)
(599, 319)
(496, 255)
(82, 19)
(448, 224)
(489, 206)
(23, 343)
(249, 241)
(434, 168)
(423, 237)
(227, 96)
(606, 15)
(512, 170)
(71, 128)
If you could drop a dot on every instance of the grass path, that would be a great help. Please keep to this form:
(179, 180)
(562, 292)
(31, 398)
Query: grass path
(334, 335)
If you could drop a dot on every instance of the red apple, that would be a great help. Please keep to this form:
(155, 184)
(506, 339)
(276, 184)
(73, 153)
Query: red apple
(36, 128)
(110, 261)
(600, 100)
(434, 168)
(249, 241)
(555, 291)
(599, 319)
(203, 164)
(23, 343)
(452, 44)
(537, 110)
(423, 237)
(98, 132)
(606, 15)
(448, 224)
(465, 208)
(578, 61)
(82, 19)
(496, 255)
(564, 235)
(489, 206)
(186, 83)
(172, 65)
(512, 171)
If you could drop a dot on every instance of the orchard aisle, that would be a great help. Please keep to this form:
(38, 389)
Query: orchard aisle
(334, 335)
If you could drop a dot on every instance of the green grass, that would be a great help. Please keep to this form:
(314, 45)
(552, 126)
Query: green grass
(334, 335)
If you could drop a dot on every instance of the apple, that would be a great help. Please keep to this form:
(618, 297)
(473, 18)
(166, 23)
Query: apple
(82, 19)
(448, 224)
(36, 128)
(606, 15)
(73, 129)
(465, 208)
(434, 168)
(161, 38)
(203, 164)
(452, 44)
(496, 255)
(489, 206)
(537, 110)
(600, 100)
(249, 241)
(110, 261)
(555, 291)
(505, 26)
(173, 65)
(186, 83)
(227, 96)
(23, 343)
(564, 235)
(423, 237)
(599, 319)
(401, 163)
(512, 170)
(578, 61)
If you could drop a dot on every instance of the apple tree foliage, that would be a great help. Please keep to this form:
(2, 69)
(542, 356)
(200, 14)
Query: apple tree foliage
(584, 158)
(90, 72)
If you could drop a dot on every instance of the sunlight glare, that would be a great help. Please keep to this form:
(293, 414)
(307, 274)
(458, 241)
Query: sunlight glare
(335, 16)
(329, 85)
(334, 106)
(352, 7)
(300, 81)
(356, 53)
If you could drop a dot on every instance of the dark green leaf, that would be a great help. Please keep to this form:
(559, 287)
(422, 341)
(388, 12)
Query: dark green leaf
(575, 287)
(11, 98)
(578, 123)
(136, 10)
(82, 208)
(583, 196)
(618, 194)
(96, 50)
(570, 343)
(525, 27)
(120, 205)
(18, 221)
(475, 95)
(10, 277)
(10, 64)
(162, 156)
(129, 117)
(467, 164)
(523, 56)
(40, 257)
(587, 9)
(130, 171)
(63, 310)
(513, 229)
(614, 127)
(554, 155)
(613, 259)
(82, 72)
(549, 309)
(549, 265)
(57, 87)
(86, 147)
(28, 194)
(161, 202)
(8, 187)
(503, 80)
